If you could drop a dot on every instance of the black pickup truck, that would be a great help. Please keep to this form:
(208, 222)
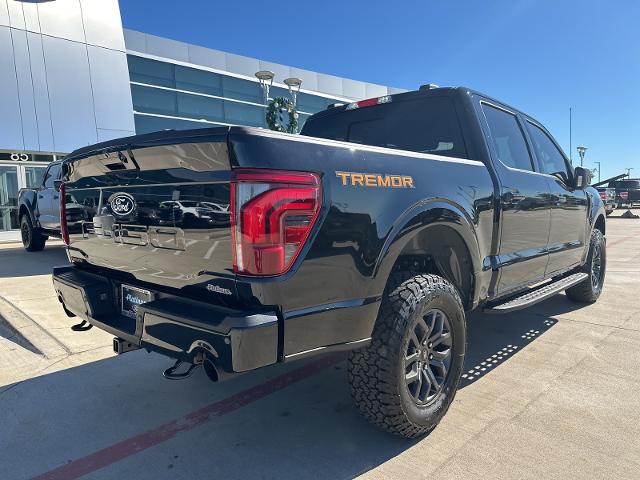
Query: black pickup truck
(627, 192)
(374, 231)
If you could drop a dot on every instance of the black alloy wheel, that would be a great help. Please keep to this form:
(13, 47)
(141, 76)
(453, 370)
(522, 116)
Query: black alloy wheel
(596, 265)
(589, 290)
(428, 357)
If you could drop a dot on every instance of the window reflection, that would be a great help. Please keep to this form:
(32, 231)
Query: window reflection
(229, 109)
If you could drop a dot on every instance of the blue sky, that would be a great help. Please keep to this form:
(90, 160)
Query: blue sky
(541, 56)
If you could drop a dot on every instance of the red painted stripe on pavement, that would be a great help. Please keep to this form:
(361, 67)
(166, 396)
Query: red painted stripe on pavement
(167, 431)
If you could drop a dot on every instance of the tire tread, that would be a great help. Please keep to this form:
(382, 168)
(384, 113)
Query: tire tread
(371, 369)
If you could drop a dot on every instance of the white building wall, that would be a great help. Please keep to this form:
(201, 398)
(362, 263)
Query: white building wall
(64, 82)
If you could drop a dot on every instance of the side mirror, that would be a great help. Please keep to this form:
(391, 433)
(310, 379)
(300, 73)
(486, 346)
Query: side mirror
(57, 184)
(582, 177)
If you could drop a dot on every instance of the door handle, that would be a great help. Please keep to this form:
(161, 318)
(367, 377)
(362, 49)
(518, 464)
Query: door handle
(512, 197)
(55, 197)
(40, 196)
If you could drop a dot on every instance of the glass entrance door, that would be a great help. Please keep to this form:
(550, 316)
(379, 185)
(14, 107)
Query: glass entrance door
(8, 197)
(13, 178)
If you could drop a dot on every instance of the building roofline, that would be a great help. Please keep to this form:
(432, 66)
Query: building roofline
(196, 56)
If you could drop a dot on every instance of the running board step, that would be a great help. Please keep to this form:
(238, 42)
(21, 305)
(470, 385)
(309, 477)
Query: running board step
(538, 295)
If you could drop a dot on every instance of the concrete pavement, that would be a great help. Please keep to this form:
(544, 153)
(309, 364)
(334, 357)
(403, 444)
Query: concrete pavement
(549, 392)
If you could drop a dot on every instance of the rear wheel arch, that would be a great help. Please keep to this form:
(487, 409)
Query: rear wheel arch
(24, 210)
(437, 240)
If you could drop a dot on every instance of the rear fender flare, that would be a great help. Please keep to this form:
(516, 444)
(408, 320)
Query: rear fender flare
(416, 220)
(24, 209)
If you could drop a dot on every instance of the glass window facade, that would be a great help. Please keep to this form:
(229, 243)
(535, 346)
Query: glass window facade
(148, 123)
(186, 94)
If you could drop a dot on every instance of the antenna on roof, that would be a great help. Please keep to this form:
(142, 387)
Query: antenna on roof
(428, 86)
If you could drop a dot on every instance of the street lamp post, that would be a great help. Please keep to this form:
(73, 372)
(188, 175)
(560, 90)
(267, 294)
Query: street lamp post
(581, 151)
(294, 88)
(294, 84)
(266, 80)
(598, 163)
(629, 171)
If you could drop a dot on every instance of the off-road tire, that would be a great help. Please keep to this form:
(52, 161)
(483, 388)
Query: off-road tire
(589, 290)
(32, 239)
(377, 372)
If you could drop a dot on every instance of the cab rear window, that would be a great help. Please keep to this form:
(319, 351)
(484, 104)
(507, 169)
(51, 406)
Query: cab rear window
(426, 125)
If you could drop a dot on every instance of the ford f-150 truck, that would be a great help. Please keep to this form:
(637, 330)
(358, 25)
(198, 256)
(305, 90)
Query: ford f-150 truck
(375, 231)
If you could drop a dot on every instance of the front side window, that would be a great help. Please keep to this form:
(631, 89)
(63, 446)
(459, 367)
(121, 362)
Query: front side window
(549, 156)
(508, 138)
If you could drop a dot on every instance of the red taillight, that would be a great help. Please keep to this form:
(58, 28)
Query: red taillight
(64, 230)
(603, 195)
(272, 215)
(624, 195)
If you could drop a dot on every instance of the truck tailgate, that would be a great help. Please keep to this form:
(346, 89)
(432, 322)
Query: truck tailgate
(157, 212)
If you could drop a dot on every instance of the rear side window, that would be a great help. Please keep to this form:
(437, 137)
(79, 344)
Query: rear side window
(508, 138)
(550, 158)
(425, 125)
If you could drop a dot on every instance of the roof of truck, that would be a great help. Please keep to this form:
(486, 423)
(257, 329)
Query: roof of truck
(165, 137)
(426, 90)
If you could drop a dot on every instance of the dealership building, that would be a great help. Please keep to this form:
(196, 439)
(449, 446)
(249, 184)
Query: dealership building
(72, 76)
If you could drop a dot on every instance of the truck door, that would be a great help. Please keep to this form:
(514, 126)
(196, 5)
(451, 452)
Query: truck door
(49, 200)
(525, 209)
(568, 205)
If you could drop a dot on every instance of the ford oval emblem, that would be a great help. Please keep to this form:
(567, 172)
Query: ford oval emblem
(122, 204)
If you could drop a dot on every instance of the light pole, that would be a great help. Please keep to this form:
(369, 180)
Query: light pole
(294, 88)
(629, 171)
(294, 84)
(581, 151)
(598, 163)
(266, 80)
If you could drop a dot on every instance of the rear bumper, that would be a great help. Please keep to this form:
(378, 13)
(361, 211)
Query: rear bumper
(236, 341)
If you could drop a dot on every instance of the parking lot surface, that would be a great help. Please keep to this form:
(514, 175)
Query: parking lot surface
(548, 392)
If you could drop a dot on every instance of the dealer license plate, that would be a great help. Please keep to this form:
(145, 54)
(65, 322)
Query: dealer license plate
(132, 298)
